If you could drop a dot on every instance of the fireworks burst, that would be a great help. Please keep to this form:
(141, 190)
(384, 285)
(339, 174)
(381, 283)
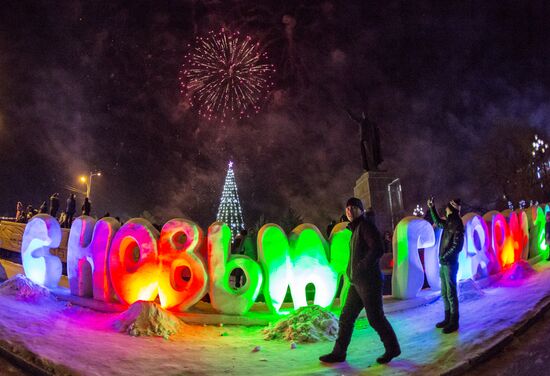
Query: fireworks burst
(226, 75)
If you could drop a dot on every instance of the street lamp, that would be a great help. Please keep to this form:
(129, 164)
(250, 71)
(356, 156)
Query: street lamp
(88, 181)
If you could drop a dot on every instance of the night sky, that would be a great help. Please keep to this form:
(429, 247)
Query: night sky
(457, 88)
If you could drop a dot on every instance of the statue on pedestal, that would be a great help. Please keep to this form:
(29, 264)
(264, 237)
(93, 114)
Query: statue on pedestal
(371, 153)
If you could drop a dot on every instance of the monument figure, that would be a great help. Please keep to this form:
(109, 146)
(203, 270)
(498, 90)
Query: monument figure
(369, 134)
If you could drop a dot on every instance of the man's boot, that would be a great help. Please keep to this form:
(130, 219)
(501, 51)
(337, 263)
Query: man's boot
(391, 344)
(445, 321)
(333, 357)
(452, 326)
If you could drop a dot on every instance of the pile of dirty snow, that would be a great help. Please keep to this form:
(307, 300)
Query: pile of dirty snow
(24, 289)
(519, 271)
(469, 290)
(147, 319)
(307, 324)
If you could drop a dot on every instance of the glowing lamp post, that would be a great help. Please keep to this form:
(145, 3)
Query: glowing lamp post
(88, 182)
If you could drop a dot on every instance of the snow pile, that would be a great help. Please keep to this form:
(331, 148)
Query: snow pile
(147, 319)
(469, 290)
(518, 271)
(24, 289)
(307, 324)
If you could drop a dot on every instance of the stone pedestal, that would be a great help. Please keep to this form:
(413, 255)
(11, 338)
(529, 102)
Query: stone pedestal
(381, 191)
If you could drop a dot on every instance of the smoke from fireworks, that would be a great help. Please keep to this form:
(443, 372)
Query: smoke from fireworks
(226, 75)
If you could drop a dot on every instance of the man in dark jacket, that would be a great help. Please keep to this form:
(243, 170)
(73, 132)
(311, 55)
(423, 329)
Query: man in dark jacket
(452, 240)
(71, 210)
(366, 248)
(54, 204)
(86, 207)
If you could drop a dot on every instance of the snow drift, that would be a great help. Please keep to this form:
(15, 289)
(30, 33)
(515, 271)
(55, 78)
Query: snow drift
(24, 289)
(147, 319)
(307, 324)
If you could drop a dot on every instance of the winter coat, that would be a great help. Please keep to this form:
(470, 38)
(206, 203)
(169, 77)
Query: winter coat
(452, 238)
(366, 248)
(86, 207)
(71, 206)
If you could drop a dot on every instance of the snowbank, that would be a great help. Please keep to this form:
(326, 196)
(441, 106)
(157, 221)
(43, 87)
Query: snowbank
(147, 319)
(24, 289)
(307, 324)
(518, 271)
(469, 290)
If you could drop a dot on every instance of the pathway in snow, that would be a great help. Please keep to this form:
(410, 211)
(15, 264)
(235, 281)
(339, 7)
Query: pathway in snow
(85, 341)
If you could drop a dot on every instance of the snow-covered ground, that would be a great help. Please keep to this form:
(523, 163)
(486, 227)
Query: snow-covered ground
(86, 342)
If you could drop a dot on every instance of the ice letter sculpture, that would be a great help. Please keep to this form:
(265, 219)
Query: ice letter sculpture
(183, 278)
(134, 263)
(537, 221)
(474, 257)
(431, 261)
(273, 251)
(41, 233)
(88, 255)
(410, 234)
(309, 264)
(79, 256)
(223, 297)
(339, 256)
(519, 231)
(502, 242)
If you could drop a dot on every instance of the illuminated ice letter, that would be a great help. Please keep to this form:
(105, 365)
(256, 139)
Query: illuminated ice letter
(41, 233)
(309, 264)
(104, 233)
(183, 279)
(339, 256)
(494, 265)
(519, 232)
(273, 250)
(134, 263)
(88, 249)
(431, 261)
(410, 234)
(79, 256)
(536, 219)
(474, 257)
(502, 242)
(223, 297)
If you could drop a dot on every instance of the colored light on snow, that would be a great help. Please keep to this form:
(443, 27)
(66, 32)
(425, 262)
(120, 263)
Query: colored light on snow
(41, 234)
(134, 262)
(183, 280)
(223, 297)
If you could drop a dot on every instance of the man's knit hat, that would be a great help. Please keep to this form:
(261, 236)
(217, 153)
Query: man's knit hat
(354, 201)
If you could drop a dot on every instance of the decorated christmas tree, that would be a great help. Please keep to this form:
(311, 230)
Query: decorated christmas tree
(229, 210)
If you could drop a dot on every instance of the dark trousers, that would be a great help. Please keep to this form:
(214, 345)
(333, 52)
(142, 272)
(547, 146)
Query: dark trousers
(360, 296)
(449, 294)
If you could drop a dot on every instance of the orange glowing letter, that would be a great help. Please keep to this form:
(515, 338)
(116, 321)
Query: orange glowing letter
(183, 279)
